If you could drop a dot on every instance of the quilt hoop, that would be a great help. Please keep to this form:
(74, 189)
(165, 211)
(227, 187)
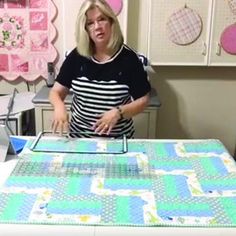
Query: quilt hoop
(228, 39)
(184, 26)
(116, 5)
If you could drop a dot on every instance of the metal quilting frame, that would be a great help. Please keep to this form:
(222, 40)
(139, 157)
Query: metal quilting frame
(34, 148)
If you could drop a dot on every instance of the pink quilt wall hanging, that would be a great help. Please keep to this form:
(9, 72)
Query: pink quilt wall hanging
(26, 38)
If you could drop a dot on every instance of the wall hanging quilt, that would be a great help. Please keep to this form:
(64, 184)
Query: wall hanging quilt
(26, 38)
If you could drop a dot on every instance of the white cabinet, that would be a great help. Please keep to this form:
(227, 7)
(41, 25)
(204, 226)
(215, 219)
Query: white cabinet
(44, 117)
(161, 50)
(206, 50)
(145, 123)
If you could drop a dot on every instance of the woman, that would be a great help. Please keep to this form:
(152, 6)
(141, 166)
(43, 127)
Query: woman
(108, 81)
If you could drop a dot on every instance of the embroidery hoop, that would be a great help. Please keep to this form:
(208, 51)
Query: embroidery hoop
(116, 5)
(228, 36)
(184, 26)
(228, 39)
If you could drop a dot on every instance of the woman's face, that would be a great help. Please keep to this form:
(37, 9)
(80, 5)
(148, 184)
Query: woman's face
(99, 27)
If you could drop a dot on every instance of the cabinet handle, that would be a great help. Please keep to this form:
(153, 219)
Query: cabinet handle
(204, 49)
(218, 49)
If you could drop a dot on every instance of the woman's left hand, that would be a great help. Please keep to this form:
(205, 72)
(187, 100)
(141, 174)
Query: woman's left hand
(107, 121)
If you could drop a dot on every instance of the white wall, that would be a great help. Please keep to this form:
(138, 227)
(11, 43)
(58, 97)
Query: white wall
(197, 103)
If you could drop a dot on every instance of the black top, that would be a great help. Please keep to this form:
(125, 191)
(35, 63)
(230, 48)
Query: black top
(100, 86)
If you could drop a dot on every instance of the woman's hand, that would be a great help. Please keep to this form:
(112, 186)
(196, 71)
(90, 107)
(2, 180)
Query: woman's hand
(56, 97)
(107, 121)
(60, 120)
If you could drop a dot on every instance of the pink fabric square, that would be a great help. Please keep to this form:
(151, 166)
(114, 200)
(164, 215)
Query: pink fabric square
(16, 3)
(19, 64)
(4, 64)
(38, 20)
(38, 3)
(39, 42)
(39, 63)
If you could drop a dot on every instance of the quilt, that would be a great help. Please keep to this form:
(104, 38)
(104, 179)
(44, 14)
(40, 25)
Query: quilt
(156, 183)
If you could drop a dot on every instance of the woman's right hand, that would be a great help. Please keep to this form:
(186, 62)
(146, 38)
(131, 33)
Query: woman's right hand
(60, 121)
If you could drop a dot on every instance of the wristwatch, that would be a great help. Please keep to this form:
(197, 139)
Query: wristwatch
(120, 112)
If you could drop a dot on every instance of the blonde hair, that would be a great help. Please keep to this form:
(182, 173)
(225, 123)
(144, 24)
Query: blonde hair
(84, 44)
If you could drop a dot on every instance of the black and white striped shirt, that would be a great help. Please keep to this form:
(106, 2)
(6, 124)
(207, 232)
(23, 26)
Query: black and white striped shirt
(100, 86)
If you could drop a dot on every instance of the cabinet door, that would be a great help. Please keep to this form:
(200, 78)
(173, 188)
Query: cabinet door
(162, 51)
(222, 17)
(47, 115)
(44, 117)
(145, 124)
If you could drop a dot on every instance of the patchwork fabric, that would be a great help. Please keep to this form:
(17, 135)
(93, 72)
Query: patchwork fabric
(26, 38)
(156, 183)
